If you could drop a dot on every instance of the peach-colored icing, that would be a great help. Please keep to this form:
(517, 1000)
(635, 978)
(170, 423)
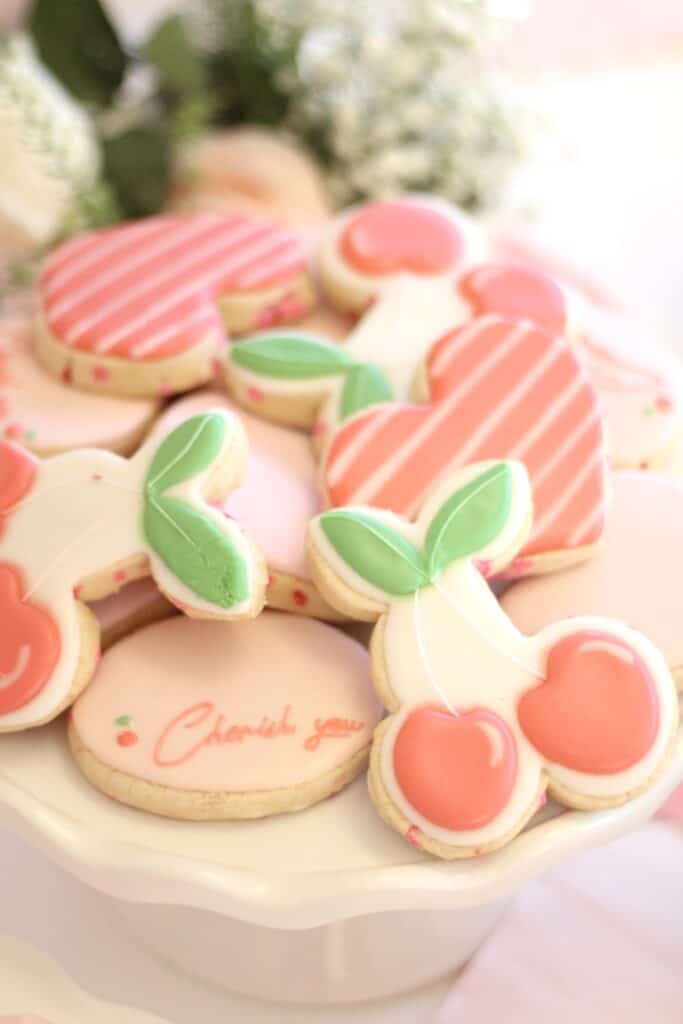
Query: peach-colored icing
(636, 576)
(47, 415)
(279, 495)
(256, 705)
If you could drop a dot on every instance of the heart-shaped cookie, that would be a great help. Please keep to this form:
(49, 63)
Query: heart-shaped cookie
(140, 308)
(497, 389)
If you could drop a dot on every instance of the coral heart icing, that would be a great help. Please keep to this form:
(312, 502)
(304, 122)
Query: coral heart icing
(515, 292)
(17, 469)
(597, 711)
(148, 290)
(29, 644)
(457, 771)
(387, 237)
(499, 389)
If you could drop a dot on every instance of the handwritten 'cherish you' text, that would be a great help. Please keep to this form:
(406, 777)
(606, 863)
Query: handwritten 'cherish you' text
(203, 726)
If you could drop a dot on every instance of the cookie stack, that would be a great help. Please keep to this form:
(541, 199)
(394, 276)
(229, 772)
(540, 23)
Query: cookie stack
(381, 430)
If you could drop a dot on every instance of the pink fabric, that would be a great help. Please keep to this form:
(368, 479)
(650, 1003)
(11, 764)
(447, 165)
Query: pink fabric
(599, 941)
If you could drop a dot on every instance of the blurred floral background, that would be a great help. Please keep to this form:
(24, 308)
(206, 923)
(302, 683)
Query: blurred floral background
(561, 114)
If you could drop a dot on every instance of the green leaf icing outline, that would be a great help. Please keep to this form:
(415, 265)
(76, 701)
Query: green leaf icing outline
(290, 357)
(187, 451)
(373, 549)
(470, 519)
(189, 542)
(467, 522)
(365, 385)
(197, 551)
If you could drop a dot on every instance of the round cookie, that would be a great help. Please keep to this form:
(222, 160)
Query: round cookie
(228, 723)
(275, 503)
(136, 605)
(484, 720)
(48, 417)
(636, 576)
(141, 308)
(249, 170)
(77, 526)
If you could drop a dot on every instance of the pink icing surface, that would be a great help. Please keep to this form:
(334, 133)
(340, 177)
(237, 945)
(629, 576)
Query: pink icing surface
(233, 707)
(37, 410)
(133, 598)
(279, 495)
(637, 575)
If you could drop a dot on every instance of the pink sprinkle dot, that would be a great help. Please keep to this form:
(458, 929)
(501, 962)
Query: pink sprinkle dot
(67, 375)
(96, 477)
(664, 403)
(300, 598)
(165, 390)
(542, 800)
(100, 373)
(76, 591)
(413, 836)
(291, 307)
(319, 428)
(271, 579)
(255, 394)
(217, 366)
(13, 430)
(120, 575)
(267, 317)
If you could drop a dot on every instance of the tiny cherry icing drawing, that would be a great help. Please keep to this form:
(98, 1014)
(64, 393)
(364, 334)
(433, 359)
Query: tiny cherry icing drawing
(484, 720)
(78, 525)
(127, 737)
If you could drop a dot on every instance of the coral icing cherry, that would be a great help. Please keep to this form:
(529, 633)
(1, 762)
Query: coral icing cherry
(128, 738)
(598, 710)
(457, 771)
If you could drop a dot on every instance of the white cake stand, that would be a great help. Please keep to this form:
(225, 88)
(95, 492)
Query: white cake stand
(325, 906)
(33, 986)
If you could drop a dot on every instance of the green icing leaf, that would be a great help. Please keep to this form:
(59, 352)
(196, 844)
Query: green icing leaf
(188, 450)
(290, 357)
(375, 551)
(365, 385)
(470, 519)
(196, 551)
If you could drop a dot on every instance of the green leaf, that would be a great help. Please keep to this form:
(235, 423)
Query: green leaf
(365, 385)
(374, 550)
(78, 43)
(172, 54)
(470, 519)
(123, 720)
(197, 551)
(290, 357)
(186, 452)
(137, 165)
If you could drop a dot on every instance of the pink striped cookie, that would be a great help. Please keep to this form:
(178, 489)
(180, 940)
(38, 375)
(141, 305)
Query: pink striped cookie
(495, 388)
(274, 503)
(639, 385)
(141, 309)
(46, 416)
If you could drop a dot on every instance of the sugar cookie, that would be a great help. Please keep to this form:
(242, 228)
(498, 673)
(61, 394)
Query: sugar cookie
(47, 417)
(396, 262)
(249, 170)
(493, 388)
(274, 504)
(483, 719)
(636, 576)
(139, 309)
(77, 526)
(640, 384)
(236, 721)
